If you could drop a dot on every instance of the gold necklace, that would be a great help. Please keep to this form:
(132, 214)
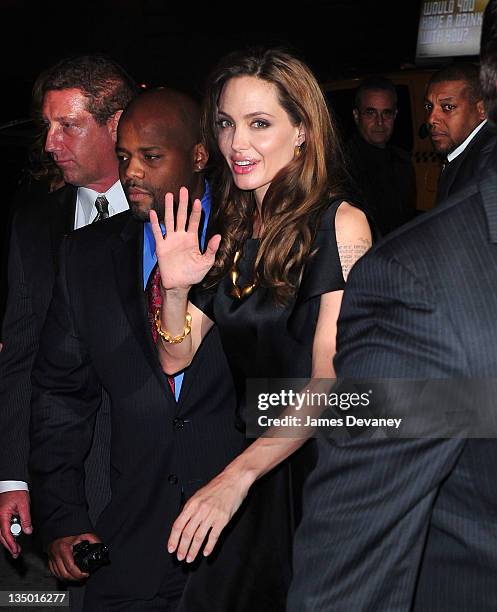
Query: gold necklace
(236, 291)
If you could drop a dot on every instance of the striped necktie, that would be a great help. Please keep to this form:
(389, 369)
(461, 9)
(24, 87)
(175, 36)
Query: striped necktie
(102, 206)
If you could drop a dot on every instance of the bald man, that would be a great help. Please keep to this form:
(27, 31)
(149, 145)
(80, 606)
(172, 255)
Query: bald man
(169, 437)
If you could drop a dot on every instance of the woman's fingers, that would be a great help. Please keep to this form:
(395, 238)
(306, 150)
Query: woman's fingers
(177, 529)
(179, 223)
(169, 213)
(195, 217)
(156, 230)
(213, 246)
(182, 213)
(213, 538)
(193, 530)
(208, 527)
(194, 535)
(189, 531)
(197, 541)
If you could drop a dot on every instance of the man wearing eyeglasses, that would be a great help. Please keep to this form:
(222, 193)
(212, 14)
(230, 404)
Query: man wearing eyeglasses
(458, 127)
(383, 173)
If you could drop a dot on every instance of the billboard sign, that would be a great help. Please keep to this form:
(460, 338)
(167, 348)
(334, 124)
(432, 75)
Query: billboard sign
(449, 28)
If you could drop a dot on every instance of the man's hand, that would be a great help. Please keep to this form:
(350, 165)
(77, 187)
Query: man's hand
(11, 503)
(60, 559)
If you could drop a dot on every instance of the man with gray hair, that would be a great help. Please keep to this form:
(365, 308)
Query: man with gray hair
(382, 172)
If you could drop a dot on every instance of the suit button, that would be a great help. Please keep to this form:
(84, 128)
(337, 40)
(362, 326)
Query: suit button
(172, 479)
(179, 423)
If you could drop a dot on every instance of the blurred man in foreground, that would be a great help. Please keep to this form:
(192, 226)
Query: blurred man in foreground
(408, 522)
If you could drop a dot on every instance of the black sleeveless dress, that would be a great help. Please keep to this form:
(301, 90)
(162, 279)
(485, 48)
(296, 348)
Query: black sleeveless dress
(263, 340)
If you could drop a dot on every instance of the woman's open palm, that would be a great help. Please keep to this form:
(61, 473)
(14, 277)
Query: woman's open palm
(180, 261)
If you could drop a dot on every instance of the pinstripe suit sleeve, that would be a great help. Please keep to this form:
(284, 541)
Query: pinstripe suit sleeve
(20, 337)
(370, 500)
(66, 397)
(392, 325)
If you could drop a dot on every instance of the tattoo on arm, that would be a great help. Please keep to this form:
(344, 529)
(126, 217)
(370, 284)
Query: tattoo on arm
(350, 253)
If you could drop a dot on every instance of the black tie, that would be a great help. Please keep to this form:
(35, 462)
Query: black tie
(102, 207)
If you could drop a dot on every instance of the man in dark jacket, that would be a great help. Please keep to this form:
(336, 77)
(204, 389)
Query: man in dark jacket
(458, 126)
(382, 172)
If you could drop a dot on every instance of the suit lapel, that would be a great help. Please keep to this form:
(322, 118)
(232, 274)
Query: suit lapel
(455, 170)
(62, 222)
(128, 266)
(450, 173)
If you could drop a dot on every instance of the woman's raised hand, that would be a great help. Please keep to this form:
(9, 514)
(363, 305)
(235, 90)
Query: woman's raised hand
(180, 261)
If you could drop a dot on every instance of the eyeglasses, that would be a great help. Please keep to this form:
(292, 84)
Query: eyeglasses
(387, 114)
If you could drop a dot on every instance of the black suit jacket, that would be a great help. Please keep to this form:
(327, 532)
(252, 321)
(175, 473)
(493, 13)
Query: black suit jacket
(97, 337)
(386, 182)
(468, 165)
(401, 524)
(37, 231)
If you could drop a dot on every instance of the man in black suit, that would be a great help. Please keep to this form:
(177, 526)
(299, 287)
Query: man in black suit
(397, 524)
(82, 99)
(456, 118)
(98, 336)
(383, 172)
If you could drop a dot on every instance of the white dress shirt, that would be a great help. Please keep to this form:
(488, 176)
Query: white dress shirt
(465, 143)
(85, 213)
(85, 203)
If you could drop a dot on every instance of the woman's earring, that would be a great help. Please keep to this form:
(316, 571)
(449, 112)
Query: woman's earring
(297, 151)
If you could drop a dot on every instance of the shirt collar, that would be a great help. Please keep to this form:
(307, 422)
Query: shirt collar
(115, 196)
(463, 145)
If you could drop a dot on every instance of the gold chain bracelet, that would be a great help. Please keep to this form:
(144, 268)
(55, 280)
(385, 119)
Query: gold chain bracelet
(166, 336)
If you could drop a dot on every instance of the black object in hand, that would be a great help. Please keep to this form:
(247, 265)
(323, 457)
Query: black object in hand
(15, 525)
(89, 557)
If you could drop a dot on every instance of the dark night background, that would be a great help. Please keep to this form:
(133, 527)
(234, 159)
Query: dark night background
(338, 38)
